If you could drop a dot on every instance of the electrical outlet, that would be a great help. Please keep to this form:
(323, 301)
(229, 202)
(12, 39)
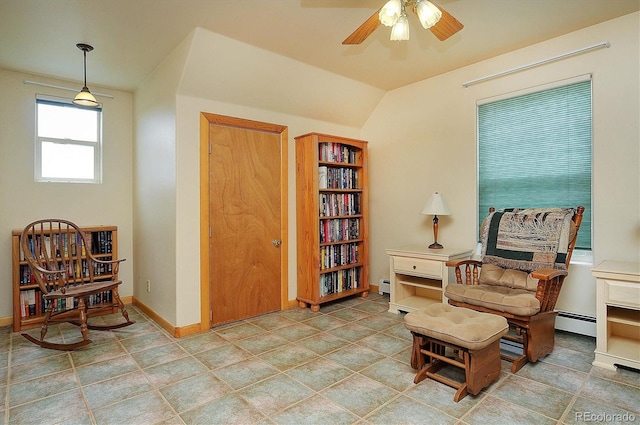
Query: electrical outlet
(148, 286)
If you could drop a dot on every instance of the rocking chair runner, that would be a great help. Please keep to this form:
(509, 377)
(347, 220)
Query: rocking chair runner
(65, 269)
(525, 260)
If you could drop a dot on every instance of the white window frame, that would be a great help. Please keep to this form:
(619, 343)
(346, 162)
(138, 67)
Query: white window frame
(39, 141)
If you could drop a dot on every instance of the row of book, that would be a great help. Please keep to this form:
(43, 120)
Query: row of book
(102, 242)
(339, 204)
(338, 255)
(337, 178)
(80, 270)
(339, 280)
(339, 229)
(32, 302)
(336, 152)
(57, 245)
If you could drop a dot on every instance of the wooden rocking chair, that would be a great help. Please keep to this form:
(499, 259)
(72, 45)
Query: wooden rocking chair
(520, 277)
(62, 262)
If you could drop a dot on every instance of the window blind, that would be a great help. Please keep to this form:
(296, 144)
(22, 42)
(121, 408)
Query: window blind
(534, 150)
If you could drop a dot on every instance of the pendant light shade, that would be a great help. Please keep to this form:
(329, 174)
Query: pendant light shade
(85, 98)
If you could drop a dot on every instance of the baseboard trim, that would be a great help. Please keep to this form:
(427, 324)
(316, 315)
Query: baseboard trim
(177, 332)
(182, 331)
(6, 321)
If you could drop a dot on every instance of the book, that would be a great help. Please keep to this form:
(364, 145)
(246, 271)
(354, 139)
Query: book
(322, 177)
(31, 300)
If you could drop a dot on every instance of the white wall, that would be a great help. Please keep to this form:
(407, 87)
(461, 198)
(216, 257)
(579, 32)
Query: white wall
(22, 200)
(203, 75)
(423, 139)
(155, 180)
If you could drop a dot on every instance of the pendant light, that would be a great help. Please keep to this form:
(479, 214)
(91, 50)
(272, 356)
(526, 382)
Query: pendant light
(85, 98)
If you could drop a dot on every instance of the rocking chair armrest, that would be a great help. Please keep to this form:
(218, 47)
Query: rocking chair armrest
(116, 263)
(45, 271)
(458, 263)
(549, 285)
(548, 274)
(471, 271)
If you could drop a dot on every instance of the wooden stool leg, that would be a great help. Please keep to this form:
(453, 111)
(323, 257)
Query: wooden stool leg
(433, 365)
(482, 367)
(461, 393)
(418, 360)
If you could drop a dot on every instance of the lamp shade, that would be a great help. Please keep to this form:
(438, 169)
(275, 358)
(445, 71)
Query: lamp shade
(428, 14)
(390, 12)
(85, 98)
(436, 205)
(400, 30)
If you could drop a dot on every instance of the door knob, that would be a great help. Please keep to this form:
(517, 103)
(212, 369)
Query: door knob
(277, 242)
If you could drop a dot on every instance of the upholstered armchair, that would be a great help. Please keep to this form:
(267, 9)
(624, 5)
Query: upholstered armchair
(525, 257)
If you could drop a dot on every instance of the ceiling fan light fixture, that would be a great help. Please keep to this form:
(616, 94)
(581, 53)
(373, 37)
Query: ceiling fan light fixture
(390, 12)
(428, 13)
(85, 98)
(400, 30)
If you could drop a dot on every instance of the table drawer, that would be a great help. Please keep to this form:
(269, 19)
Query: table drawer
(623, 293)
(418, 267)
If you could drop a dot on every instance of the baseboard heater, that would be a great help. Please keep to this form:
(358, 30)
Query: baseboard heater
(576, 323)
(384, 286)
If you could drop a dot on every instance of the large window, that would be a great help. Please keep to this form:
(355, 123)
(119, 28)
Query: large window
(68, 142)
(534, 150)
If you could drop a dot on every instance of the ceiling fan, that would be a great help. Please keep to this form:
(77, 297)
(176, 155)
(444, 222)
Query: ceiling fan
(440, 22)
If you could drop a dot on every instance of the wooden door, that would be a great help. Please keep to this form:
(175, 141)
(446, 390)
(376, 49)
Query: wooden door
(245, 219)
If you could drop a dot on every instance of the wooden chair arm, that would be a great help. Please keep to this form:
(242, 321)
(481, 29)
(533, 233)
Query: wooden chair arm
(116, 264)
(457, 263)
(548, 274)
(45, 271)
(471, 272)
(549, 285)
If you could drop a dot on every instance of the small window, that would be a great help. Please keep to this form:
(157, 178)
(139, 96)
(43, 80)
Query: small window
(68, 142)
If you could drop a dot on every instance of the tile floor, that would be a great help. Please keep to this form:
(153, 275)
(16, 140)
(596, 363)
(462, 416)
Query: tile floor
(347, 364)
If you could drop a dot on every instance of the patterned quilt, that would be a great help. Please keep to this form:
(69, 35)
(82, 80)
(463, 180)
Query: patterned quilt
(527, 239)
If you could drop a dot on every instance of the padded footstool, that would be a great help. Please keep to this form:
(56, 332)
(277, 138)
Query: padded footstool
(474, 337)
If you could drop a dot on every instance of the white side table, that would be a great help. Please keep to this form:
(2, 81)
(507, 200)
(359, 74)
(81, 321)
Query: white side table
(418, 275)
(617, 314)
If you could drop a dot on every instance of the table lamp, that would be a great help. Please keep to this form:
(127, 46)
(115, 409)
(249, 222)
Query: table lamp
(436, 205)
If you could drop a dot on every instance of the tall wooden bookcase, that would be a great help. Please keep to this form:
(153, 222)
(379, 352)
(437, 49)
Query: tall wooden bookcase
(332, 218)
(28, 305)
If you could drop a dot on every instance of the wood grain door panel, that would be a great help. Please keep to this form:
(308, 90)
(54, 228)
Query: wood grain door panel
(245, 217)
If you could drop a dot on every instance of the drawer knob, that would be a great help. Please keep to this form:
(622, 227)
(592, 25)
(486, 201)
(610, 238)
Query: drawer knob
(414, 267)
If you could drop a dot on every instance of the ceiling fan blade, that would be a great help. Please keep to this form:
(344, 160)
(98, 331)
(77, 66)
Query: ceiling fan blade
(364, 30)
(446, 26)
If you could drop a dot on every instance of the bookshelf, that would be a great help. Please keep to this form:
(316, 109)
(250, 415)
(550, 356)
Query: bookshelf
(28, 305)
(332, 218)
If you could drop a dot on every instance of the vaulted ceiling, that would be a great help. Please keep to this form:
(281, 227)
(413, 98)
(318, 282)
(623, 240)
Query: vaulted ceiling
(131, 37)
